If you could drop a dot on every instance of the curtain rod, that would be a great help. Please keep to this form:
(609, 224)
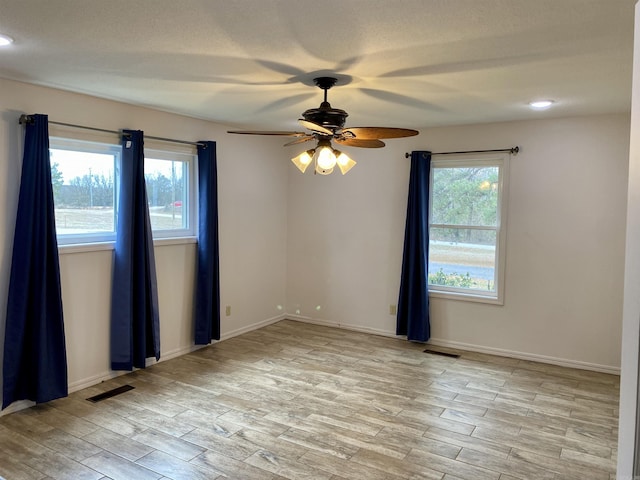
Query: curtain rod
(512, 151)
(24, 119)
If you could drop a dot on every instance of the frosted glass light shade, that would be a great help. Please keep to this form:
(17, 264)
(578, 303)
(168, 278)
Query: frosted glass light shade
(303, 160)
(325, 158)
(345, 163)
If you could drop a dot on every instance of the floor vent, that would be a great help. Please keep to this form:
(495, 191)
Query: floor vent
(444, 354)
(110, 393)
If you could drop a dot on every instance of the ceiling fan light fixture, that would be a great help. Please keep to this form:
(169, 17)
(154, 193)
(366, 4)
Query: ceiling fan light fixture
(324, 156)
(324, 171)
(303, 160)
(344, 161)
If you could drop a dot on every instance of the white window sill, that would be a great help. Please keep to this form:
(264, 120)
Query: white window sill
(102, 246)
(161, 242)
(465, 297)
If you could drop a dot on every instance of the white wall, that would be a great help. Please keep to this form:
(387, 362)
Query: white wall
(252, 219)
(565, 241)
(631, 310)
(335, 243)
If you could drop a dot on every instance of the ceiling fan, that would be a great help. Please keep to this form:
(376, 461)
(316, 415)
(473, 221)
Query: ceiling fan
(326, 123)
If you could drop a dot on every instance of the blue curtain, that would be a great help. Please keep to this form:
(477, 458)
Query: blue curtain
(207, 316)
(413, 304)
(35, 360)
(135, 324)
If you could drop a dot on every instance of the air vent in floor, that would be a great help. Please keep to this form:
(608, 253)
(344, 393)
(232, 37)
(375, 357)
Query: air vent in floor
(444, 354)
(110, 393)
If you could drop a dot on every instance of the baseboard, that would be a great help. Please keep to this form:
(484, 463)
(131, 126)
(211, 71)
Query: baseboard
(94, 380)
(108, 375)
(532, 357)
(563, 362)
(312, 321)
(353, 328)
(254, 326)
(177, 352)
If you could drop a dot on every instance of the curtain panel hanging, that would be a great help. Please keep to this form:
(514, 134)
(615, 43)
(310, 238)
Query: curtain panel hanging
(413, 302)
(35, 359)
(207, 314)
(135, 323)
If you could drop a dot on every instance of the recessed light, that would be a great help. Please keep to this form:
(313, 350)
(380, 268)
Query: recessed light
(541, 104)
(5, 40)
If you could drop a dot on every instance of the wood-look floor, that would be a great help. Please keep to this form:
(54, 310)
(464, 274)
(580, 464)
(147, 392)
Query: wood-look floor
(301, 401)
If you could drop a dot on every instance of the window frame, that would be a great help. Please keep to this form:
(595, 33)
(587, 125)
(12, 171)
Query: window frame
(190, 189)
(63, 143)
(70, 243)
(501, 161)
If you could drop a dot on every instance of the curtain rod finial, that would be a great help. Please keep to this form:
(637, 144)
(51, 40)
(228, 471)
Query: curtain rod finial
(25, 119)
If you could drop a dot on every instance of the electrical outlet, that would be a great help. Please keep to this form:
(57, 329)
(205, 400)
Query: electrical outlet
(227, 311)
(392, 309)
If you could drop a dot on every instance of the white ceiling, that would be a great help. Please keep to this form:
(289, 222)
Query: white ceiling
(402, 63)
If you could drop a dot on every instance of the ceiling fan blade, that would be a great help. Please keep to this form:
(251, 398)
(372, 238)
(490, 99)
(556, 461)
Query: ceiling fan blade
(372, 133)
(357, 142)
(254, 132)
(314, 127)
(300, 140)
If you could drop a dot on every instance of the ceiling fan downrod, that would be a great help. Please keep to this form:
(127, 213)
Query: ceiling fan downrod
(325, 115)
(325, 83)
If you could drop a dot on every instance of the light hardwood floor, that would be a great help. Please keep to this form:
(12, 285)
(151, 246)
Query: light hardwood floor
(301, 401)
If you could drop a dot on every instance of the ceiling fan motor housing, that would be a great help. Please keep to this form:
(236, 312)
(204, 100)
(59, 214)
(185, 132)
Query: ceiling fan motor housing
(332, 118)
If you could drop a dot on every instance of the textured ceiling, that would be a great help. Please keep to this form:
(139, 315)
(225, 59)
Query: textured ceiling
(403, 63)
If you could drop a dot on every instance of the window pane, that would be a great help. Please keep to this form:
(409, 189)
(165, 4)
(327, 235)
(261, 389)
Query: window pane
(167, 192)
(463, 258)
(83, 191)
(465, 196)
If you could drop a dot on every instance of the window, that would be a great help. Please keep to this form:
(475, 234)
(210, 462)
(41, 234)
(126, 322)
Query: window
(467, 228)
(85, 177)
(168, 177)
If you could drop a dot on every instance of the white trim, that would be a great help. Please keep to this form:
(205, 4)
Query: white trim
(468, 296)
(254, 326)
(354, 328)
(108, 375)
(313, 321)
(533, 357)
(162, 242)
(102, 246)
(94, 380)
(106, 240)
(465, 227)
(85, 247)
(190, 191)
(489, 159)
